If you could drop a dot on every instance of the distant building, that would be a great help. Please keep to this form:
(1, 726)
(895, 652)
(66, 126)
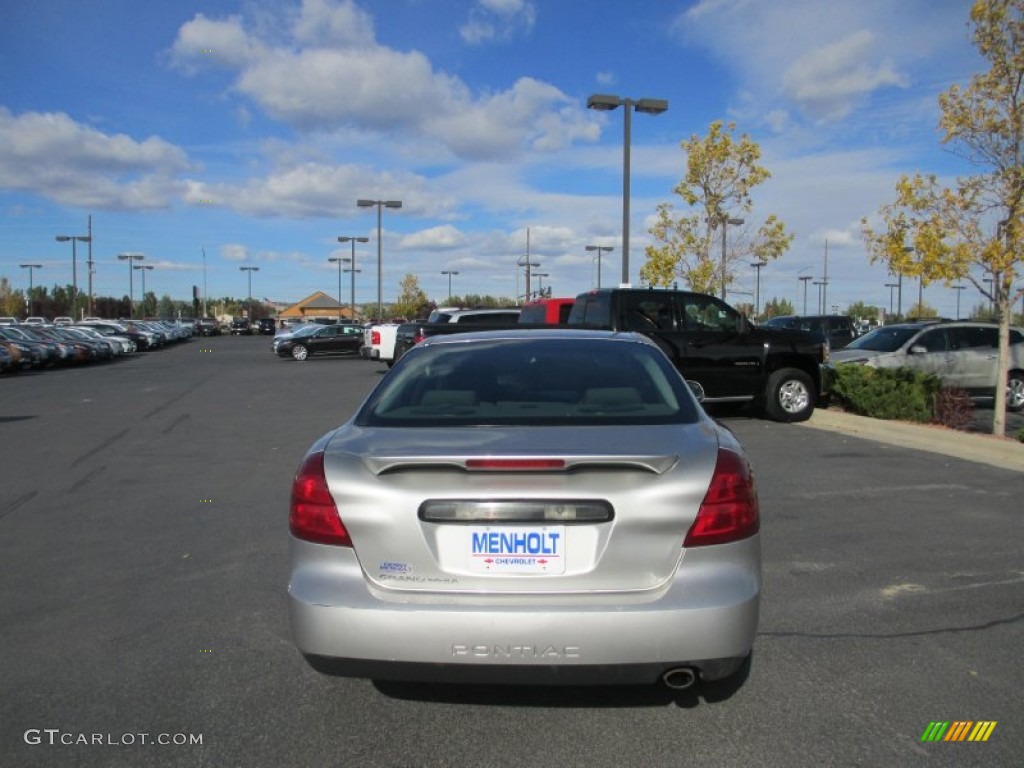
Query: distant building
(318, 306)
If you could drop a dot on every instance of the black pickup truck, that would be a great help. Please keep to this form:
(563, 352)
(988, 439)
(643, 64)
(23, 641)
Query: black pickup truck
(783, 372)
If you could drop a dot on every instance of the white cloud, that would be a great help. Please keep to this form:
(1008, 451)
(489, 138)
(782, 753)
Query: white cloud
(52, 155)
(825, 59)
(234, 252)
(324, 23)
(441, 238)
(302, 190)
(204, 42)
(498, 20)
(828, 80)
(331, 75)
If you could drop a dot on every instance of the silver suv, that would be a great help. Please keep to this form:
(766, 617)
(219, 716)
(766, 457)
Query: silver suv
(962, 354)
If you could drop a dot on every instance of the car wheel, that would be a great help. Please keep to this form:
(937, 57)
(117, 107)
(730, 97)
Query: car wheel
(299, 352)
(1015, 391)
(789, 396)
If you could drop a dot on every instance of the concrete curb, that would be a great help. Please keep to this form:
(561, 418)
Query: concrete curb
(1005, 453)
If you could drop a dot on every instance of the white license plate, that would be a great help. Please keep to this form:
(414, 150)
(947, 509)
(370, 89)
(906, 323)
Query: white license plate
(516, 549)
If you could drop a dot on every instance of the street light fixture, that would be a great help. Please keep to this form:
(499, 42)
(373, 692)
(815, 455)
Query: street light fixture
(958, 288)
(145, 268)
(130, 257)
(601, 250)
(28, 296)
(605, 103)
(819, 283)
(449, 272)
(804, 280)
(381, 204)
(338, 260)
(891, 286)
(74, 266)
(250, 270)
(352, 270)
(757, 290)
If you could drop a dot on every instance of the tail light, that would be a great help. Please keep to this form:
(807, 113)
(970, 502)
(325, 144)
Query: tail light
(729, 511)
(313, 515)
(375, 338)
(418, 336)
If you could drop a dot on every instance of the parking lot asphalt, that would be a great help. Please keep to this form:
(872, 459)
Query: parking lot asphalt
(143, 531)
(971, 446)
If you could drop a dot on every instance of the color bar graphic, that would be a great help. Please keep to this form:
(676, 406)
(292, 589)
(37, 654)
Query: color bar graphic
(958, 730)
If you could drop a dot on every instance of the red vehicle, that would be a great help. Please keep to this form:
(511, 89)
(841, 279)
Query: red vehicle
(547, 311)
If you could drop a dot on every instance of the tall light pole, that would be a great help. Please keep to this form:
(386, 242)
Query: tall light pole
(352, 271)
(821, 308)
(958, 288)
(604, 103)
(381, 204)
(601, 250)
(449, 272)
(891, 287)
(144, 268)
(130, 257)
(804, 280)
(338, 260)
(250, 270)
(74, 266)
(757, 289)
(725, 221)
(28, 296)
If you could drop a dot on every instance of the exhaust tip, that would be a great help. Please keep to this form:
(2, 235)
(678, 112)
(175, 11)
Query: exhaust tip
(679, 678)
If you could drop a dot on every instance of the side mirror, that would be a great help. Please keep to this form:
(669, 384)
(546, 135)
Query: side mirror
(697, 389)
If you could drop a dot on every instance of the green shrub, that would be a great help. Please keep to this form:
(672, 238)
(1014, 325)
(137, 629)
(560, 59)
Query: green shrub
(886, 393)
(1020, 435)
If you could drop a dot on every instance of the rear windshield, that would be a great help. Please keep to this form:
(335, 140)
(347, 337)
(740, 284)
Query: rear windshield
(531, 382)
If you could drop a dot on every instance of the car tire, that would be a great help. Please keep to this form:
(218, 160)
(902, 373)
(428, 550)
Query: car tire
(299, 352)
(1015, 392)
(789, 396)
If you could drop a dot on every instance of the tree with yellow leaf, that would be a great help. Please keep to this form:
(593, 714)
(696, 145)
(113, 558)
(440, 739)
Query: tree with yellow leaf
(943, 233)
(720, 173)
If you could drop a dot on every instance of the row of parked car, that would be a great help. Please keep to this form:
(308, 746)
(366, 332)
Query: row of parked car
(40, 344)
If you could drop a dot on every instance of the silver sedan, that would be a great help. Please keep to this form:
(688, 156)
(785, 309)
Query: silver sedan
(540, 506)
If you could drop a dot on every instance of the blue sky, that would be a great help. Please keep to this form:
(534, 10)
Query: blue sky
(248, 130)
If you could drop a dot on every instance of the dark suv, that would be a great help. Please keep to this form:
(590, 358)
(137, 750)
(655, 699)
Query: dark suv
(838, 330)
(266, 326)
(241, 327)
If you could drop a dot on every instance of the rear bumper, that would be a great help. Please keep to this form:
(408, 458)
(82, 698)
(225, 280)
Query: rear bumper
(369, 353)
(705, 617)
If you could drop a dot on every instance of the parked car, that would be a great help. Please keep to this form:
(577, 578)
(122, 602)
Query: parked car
(208, 326)
(838, 330)
(240, 327)
(962, 354)
(266, 326)
(317, 339)
(527, 506)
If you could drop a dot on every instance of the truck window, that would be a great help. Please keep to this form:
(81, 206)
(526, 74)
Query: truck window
(705, 313)
(646, 312)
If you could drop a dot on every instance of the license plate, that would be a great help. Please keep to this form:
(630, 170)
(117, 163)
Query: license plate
(516, 549)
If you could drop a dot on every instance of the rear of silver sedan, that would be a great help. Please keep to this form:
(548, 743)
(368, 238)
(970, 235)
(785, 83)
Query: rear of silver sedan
(562, 532)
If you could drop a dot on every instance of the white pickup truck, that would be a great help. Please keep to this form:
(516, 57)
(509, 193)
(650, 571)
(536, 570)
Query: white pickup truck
(379, 343)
